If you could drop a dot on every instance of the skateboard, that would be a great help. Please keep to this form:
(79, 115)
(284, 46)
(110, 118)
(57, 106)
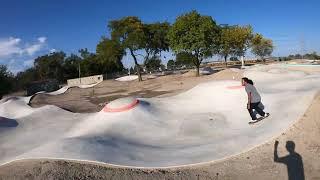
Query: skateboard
(259, 119)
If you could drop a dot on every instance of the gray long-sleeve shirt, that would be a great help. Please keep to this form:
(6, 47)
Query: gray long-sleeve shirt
(255, 96)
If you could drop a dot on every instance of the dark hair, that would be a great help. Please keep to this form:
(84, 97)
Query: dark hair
(250, 81)
(247, 80)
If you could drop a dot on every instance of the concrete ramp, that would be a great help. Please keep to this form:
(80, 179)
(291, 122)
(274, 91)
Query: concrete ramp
(127, 78)
(206, 123)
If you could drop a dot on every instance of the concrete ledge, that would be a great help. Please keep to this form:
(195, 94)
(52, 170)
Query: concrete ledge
(85, 80)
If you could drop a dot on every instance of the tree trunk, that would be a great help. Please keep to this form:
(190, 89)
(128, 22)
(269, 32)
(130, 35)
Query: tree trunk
(198, 71)
(137, 65)
(263, 60)
(225, 60)
(197, 63)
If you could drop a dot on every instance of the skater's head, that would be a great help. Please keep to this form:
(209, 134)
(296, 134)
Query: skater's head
(246, 81)
(290, 146)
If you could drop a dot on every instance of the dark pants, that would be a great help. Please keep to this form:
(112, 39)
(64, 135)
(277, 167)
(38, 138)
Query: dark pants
(254, 106)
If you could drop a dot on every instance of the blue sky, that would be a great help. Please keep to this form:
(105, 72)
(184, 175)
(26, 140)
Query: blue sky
(32, 28)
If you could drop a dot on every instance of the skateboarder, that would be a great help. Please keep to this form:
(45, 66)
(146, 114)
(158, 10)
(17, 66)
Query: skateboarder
(254, 99)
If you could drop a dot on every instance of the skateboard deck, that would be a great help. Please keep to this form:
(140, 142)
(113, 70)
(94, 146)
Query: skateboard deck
(259, 119)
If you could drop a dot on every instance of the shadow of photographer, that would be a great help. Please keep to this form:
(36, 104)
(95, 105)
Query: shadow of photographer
(293, 161)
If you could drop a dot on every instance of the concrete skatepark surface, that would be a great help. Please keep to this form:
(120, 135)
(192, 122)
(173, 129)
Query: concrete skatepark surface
(162, 131)
(127, 78)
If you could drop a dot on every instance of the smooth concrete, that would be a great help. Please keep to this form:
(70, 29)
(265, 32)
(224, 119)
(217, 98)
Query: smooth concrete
(206, 123)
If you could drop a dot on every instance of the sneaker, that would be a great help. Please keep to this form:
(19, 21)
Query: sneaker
(266, 114)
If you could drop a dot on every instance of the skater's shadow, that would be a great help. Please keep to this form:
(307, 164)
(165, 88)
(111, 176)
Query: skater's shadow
(6, 122)
(293, 161)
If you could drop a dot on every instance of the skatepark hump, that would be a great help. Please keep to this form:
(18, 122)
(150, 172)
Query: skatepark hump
(127, 78)
(206, 123)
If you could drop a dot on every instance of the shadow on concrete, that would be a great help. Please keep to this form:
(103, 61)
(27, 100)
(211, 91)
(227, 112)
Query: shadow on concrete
(293, 161)
(6, 122)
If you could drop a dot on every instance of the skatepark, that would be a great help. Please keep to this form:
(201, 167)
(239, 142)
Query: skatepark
(205, 124)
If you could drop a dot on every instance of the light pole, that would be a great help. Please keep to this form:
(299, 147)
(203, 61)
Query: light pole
(242, 62)
(79, 74)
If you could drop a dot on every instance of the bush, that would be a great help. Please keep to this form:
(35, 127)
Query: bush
(47, 85)
(233, 59)
(6, 79)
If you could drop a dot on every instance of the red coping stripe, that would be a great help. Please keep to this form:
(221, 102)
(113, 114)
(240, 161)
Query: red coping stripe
(235, 87)
(121, 109)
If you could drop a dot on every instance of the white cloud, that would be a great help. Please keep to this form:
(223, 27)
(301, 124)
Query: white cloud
(12, 61)
(10, 46)
(15, 66)
(42, 39)
(52, 50)
(19, 55)
(28, 63)
(33, 48)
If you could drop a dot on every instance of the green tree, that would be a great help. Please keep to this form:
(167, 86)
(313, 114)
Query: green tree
(155, 39)
(171, 64)
(129, 31)
(131, 70)
(227, 43)
(25, 77)
(185, 59)
(195, 34)
(153, 64)
(71, 67)
(297, 56)
(243, 39)
(50, 66)
(88, 65)
(261, 47)
(234, 41)
(109, 55)
(84, 53)
(234, 58)
(6, 79)
(311, 56)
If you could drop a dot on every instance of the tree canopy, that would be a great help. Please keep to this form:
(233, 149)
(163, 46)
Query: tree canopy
(195, 34)
(153, 63)
(261, 47)
(192, 38)
(50, 65)
(185, 59)
(171, 64)
(129, 31)
(109, 55)
(71, 66)
(6, 78)
(234, 41)
(156, 38)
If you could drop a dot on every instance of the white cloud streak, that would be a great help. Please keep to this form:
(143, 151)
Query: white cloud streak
(12, 46)
(42, 39)
(28, 63)
(31, 50)
(52, 50)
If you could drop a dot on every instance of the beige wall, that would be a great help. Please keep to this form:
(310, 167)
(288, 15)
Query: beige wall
(85, 80)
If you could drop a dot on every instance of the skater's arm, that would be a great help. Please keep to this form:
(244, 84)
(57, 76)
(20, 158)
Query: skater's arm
(249, 100)
(249, 91)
